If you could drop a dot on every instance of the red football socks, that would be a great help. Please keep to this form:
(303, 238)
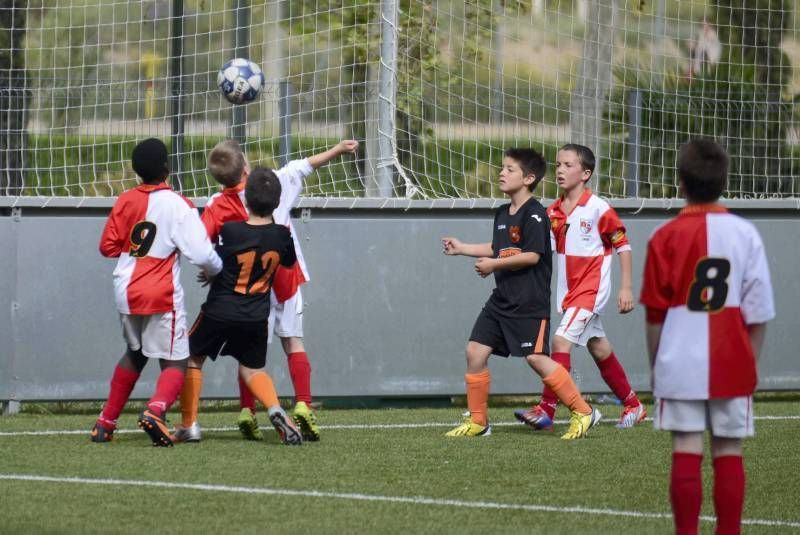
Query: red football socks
(122, 382)
(300, 371)
(549, 400)
(246, 398)
(729, 483)
(614, 376)
(168, 388)
(686, 491)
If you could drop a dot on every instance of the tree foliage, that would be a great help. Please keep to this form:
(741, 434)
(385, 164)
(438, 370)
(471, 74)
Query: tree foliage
(13, 96)
(740, 101)
(353, 28)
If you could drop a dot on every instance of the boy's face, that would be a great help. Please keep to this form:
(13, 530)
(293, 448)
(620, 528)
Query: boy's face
(570, 174)
(512, 178)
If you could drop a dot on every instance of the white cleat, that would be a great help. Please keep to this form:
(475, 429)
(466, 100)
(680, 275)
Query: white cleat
(288, 432)
(632, 416)
(187, 434)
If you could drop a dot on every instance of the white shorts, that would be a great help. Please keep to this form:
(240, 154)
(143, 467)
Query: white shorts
(579, 325)
(159, 336)
(728, 417)
(286, 319)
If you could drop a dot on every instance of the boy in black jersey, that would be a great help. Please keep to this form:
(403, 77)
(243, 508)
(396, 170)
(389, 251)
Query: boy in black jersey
(515, 320)
(237, 308)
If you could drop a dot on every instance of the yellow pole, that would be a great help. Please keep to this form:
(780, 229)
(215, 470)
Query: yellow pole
(150, 63)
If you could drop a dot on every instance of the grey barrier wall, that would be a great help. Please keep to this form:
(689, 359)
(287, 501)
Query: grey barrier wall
(386, 313)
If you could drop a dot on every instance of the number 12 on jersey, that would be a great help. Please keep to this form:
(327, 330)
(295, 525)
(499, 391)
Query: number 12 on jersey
(247, 261)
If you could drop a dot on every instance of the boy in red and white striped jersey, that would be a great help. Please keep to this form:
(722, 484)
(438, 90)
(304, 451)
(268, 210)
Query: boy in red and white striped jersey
(708, 295)
(149, 229)
(586, 231)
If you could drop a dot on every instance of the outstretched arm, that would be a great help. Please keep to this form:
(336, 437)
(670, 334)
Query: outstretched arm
(343, 147)
(191, 238)
(454, 246)
(486, 266)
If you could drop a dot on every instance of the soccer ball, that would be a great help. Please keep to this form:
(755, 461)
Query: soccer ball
(240, 81)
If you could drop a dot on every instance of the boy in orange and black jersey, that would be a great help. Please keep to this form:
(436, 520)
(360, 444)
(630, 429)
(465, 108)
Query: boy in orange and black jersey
(515, 320)
(522, 293)
(250, 255)
(235, 314)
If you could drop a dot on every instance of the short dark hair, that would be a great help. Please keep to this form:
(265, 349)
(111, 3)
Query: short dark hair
(262, 192)
(226, 162)
(531, 163)
(585, 156)
(703, 170)
(150, 160)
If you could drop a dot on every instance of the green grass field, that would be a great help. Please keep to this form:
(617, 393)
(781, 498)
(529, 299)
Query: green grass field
(387, 471)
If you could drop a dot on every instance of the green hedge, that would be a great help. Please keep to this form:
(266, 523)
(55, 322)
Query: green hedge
(92, 166)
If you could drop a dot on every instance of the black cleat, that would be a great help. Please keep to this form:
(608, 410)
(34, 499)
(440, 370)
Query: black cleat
(156, 428)
(100, 433)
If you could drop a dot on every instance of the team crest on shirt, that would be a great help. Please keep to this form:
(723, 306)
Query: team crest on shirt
(514, 234)
(586, 226)
(509, 251)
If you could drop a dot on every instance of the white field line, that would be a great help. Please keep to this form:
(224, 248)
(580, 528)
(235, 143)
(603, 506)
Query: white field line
(341, 426)
(414, 500)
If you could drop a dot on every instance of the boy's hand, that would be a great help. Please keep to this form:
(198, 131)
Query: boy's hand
(347, 146)
(204, 279)
(625, 301)
(484, 266)
(451, 246)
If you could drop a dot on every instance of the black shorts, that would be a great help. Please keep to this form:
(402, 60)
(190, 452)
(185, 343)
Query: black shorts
(512, 336)
(244, 341)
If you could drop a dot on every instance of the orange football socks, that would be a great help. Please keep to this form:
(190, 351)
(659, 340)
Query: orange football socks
(567, 392)
(478, 395)
(190, 396)
(263, 389)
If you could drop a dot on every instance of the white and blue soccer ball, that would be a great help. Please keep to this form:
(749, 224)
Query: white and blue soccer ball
(240, 81)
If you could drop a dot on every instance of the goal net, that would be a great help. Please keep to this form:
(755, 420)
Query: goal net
(433, 90)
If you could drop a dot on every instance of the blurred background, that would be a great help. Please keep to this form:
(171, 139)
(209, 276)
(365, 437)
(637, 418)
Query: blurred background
(434, 90)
